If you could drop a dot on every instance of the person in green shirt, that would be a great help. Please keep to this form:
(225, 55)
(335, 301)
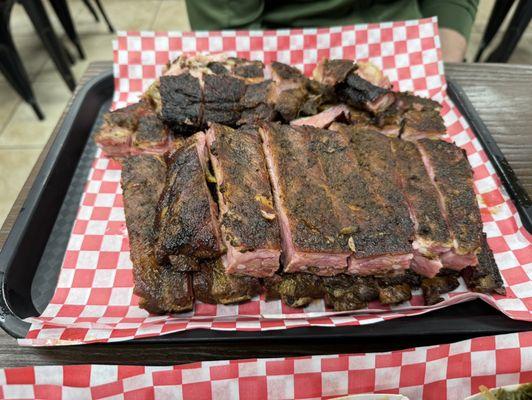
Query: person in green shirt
(455, 17)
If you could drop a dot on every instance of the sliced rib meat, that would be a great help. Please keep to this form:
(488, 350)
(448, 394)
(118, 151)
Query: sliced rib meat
(308, 216)
(295, 290)
(406, 101)
(382, 230)
(161, 287)
(187, 217)
(332, 72)
(340, 292)
(389, 122)
(432, 234)
(248, 70)
(324, 118)
(250, 230)
(357, 92)
(347, 292)
(373, 74)
(451, 174)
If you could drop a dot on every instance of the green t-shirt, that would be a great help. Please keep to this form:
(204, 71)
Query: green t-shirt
(458, 15)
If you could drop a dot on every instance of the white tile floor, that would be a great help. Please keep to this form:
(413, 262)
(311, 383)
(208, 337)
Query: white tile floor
(22, 136)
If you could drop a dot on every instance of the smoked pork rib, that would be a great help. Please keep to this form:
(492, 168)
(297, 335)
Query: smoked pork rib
(364, 204)
(248, 221)
(308, 218)
(451, 173)
(432, 235)
(161, 287)
(187, 217)
(383, 231)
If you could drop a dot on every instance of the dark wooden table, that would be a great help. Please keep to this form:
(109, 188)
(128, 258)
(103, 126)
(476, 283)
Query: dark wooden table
(500, 93)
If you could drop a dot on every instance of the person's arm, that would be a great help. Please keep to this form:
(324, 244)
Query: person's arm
(455, 18)
(453, 45)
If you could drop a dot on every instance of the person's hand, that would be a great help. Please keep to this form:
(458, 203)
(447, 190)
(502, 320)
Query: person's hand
(453, 45)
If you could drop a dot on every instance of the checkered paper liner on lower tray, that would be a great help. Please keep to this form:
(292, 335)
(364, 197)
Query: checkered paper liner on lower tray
(94, 300)
(449, 371)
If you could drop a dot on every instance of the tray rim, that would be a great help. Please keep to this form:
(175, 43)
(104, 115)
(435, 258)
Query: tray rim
(10, 322)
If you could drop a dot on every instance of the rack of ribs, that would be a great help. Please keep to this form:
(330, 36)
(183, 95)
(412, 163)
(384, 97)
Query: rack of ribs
(332, 211)
(250, 231)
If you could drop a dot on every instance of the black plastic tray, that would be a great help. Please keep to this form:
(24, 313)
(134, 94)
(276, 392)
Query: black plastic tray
(31, 258)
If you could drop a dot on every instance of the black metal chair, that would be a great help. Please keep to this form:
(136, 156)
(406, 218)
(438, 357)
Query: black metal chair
(89, 5)
(10, 63)
(518, 24)
(63, 13)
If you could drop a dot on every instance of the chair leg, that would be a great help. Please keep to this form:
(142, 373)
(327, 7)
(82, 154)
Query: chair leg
(498, 14)
(63, 13)
(68, 55)
(37, 14)
(518, 24)
(36, 109)
(92, 10)
(105, 17)
(12, 68)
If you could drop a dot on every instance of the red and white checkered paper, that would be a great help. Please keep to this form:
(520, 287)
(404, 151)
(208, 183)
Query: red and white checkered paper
(94, 299)
(449, 371)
